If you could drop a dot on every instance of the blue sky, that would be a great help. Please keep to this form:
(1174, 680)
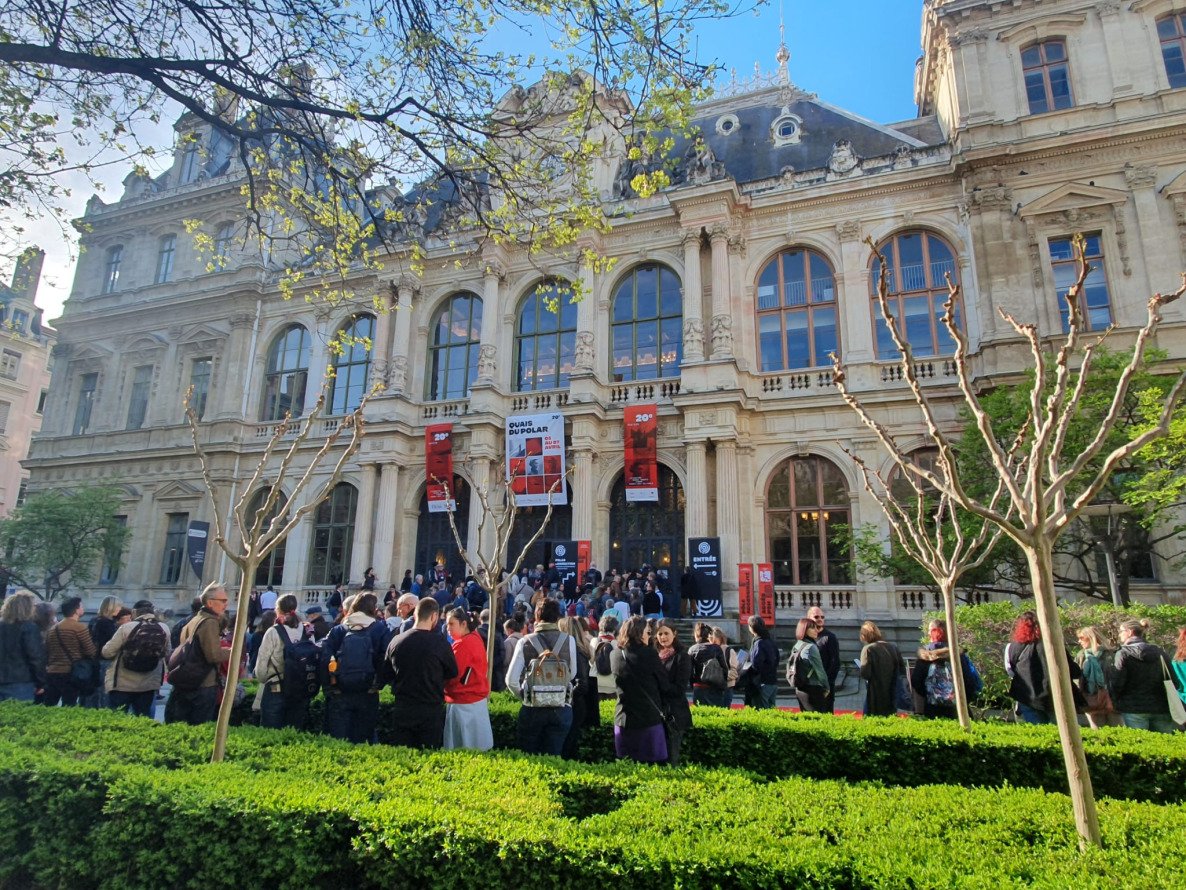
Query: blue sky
(854, 54)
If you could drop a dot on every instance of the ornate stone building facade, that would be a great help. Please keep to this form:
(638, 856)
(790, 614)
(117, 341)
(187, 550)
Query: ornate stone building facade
(730, 289)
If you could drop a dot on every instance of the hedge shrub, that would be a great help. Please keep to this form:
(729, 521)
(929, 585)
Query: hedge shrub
(984, 631)
(97, 800)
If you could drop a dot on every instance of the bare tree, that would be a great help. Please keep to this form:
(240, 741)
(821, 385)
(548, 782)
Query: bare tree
(487, 565)
(262, 530)
(1034, 471)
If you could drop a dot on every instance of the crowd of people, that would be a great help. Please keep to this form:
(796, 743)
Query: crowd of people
(561, 649)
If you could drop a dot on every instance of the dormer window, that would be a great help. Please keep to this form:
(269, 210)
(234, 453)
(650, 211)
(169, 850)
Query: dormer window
(726, 124)
(786, 129)
(189, 162)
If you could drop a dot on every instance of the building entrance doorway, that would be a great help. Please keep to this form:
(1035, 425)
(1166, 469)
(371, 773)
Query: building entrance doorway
(434, 538)
(650, 533)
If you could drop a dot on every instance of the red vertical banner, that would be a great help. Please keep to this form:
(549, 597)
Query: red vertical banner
(642, 453)
(438, 467)
(745, 591)
(766, 592)
(584, 552)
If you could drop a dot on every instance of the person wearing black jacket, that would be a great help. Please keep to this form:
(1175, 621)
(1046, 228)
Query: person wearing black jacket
(829, 653)
(419, 661)
(22, 651)
(678, 665)
(642, 686)
(760, 674)
(1138, 687)
(701, 653)
(1025, 662)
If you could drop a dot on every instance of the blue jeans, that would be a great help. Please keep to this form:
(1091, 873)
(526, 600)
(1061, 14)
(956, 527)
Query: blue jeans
(277, 712)
(1154, 722)
(543, 730)
(352, 715)
(767, 695)
(17, 691)
(706, 695)
(1033, 715)
(139, 704)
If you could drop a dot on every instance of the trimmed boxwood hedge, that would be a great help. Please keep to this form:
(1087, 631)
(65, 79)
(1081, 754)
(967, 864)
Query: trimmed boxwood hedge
(97, 800)
(1125, 763)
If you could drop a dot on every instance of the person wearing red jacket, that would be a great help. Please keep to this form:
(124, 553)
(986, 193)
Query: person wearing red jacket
(467, 696)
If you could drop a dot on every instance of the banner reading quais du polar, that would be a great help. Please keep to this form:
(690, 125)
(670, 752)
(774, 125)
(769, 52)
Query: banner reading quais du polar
(535, 459)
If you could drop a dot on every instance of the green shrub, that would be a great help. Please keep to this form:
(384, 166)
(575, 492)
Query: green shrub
(984, 631)
(143, 810)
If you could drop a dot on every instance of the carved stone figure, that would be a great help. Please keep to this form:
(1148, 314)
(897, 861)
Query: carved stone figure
(844, 159)
(722, 336)
(398, 374)
(694, 338)
(584, 351)
(701, 165)
(486, 366)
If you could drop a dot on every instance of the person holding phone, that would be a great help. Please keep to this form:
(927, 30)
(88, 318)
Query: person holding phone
(467, 696)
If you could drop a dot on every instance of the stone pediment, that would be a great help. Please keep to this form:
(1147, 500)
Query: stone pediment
(177, 491)
(1073, 196)
(143, 343)
(1176, 187)
(199, 332)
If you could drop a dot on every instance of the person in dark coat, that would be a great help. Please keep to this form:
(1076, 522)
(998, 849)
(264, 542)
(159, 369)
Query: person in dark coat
(1138, 686)
(1025, 662)
(678, 665)
(829, 653)
(759, 677)
(642, 685)
(701, 652)
(881, 667)
(22, 650)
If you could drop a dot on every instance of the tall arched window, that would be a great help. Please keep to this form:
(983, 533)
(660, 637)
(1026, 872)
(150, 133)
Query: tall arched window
(797, 325)
(648, 325)
(918, 265)
(453, 350)
(352, 365)
(546, 339)
(271, 570)
(286, 375)
(333, 536)
(806, 506)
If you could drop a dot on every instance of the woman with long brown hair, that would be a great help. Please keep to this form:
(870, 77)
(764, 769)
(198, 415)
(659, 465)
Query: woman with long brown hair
(642, 686)
(678, 665)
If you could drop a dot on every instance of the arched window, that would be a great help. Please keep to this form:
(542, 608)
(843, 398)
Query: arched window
(1047, 76)
(797, 312)
(648, 325)
(453, 350)
(333, 536)
(918, 263)
(652, 532)
(271, 570)
(352, 365)
(546, 339)
(1171, 30)
(806, 508)
(286, 375)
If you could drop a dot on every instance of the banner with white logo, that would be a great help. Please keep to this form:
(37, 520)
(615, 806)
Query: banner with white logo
(704, 558)
(566, 555)
(642, 453)
(195, 545)
(438, 467)
(535, 459)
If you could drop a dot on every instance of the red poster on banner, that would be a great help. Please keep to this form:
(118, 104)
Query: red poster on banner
(438, 467)
(584, 552)
(745, 591)
(766, 592)
(642, 453)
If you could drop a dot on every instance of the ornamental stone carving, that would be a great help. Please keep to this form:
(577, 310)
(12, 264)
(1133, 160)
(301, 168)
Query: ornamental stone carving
(722, 336)
(693, 337)
(1140, 177)
(397, 375)
(584, 351)
(700, 165)
(487, 353)
(849, 230)
(996, 197)
(844, 159)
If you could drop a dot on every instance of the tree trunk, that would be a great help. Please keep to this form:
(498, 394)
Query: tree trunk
(237, 644)
(1040, 559)
(947, 588)
(492, 632)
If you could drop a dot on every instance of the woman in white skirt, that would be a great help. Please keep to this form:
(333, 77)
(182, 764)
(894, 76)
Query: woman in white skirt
(467, 709)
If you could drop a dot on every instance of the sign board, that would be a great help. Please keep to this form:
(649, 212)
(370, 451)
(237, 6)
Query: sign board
(704, 558)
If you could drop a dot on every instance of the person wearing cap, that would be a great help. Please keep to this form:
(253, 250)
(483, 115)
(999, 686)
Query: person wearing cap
(130, 690)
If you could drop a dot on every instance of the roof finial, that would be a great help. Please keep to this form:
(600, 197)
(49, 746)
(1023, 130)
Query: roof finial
(783, 55)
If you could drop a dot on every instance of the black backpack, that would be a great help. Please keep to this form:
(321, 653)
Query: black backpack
(300, 680)
(187, 665)
(601, 658)
(144, 648)
(356, 662)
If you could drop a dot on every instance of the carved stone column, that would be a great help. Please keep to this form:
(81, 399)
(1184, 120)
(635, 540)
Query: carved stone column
(585, 360)
(583, 508)
(728, 517)
(693, 299)
(381, 347)
(722, 319)
(385, 510)
(401, 348)
(364, 524)
(696, 492)
(474, 542)
(320, 359)
(1156, 249)
(494, 275)
(235, 361)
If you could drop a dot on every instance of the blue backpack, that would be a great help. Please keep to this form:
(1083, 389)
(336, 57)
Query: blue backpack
(356, 661)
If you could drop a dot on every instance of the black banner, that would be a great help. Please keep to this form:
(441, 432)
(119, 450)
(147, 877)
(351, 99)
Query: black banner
(704, 558)
(564, 553)
(195, 546)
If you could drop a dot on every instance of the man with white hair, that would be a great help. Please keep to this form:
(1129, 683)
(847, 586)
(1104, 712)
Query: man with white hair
(405, 608)
(196, 700)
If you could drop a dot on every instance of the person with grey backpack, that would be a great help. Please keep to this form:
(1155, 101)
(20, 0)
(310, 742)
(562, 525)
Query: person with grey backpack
(542, 672)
